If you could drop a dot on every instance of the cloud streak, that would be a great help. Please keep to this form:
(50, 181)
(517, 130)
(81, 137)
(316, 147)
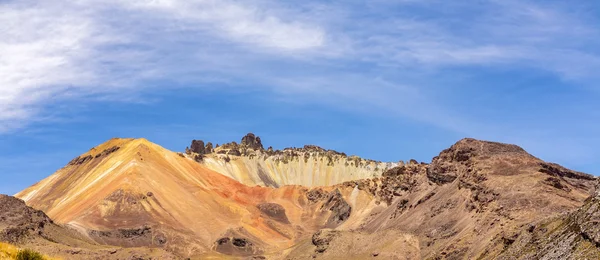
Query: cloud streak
(54, 51)
(380, 56)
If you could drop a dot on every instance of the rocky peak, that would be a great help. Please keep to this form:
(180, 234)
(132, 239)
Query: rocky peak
(463, 155)
(208, 148)
(470, 146)
(315, 148)
(198, 146)
(252, 141)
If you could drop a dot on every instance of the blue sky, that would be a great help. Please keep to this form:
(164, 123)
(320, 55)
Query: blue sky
(386, 80)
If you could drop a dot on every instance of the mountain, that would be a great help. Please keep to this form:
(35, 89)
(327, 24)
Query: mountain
(472, 197)
(241, 200)
(134, 189)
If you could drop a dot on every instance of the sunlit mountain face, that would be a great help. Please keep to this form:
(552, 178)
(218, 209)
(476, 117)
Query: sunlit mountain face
(240, 199)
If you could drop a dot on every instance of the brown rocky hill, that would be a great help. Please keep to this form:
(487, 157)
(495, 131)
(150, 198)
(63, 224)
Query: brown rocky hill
(29, 228)
(472, 201)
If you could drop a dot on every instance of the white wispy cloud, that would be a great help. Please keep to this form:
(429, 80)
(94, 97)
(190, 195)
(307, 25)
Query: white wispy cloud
(54, 51)
(39, 58)
(236, 20)
(494, 33)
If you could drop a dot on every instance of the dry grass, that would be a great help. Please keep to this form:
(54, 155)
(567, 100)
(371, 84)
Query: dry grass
(8, 251)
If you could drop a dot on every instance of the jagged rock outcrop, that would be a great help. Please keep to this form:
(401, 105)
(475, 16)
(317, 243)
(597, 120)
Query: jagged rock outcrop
(79, 160)
(251, 141)
(558, 172)
(322, 238)
(198, 147)
(237, 246)
(311, 165)
(315, 195)
(208, 148)
(338, 207)
(274, 211)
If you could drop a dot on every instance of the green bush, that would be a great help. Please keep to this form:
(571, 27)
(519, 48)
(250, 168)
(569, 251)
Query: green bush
(28, 254)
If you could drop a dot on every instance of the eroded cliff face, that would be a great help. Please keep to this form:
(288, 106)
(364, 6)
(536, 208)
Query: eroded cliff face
(310, 166)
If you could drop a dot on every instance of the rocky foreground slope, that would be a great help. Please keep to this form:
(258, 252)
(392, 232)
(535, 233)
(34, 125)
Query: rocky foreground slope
(477, 199)
(574, 235)
(30, 228)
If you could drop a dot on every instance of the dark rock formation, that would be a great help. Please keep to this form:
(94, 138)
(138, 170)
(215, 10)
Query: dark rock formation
(238, 246)
(339, 208)
(577, 179)
(240, 242)
(315, 195)
(80, 160)
(313, 148)
(107, 151)
(123, 233)
(400, 180)
(253, 142)
(223, 241)
(198, 147)
(209, 148)
(265, 178)
(274, 211)
(556, 183)
(132, 237)
(83, 159)
(234, 152)
(322, 238)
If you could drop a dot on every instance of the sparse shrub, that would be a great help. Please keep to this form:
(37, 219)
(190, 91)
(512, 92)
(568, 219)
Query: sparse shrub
(28, 254)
